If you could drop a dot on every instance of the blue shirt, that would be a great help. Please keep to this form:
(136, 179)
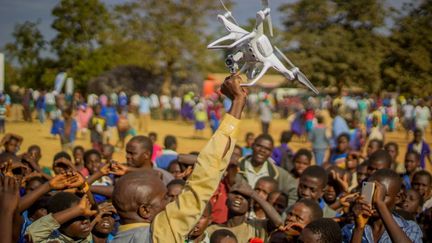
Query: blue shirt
(110, 114)
(339, 126)
(166, 158)
(411, 229)
(144, 106)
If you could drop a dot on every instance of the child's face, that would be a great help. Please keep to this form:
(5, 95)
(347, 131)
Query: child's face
(36, 154)
(278, 201)
(330, 194)
(310, 188)
(361, 174)
(175, 170)
(11, 146)
(301, 163)
(174, 191)
(250, 140)
(78, 156)
(422, 185)
(106, 225)
(78, 229)
(411, 203)
(32, 185)
(107, 153)
(237, 203)
(342, 144)
(372, 147)
(392, 152)
(264, 188)
(411, 163)
(94, 163)
(299, 213)
(351, 162)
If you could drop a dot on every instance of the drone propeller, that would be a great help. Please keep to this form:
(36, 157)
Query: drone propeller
(265, 4)
(228, 12)
(297, 73)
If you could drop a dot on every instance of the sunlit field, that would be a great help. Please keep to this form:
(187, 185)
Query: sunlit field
(36, 133)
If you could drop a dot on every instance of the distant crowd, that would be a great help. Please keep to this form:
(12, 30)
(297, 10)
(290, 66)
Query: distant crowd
(254, 190)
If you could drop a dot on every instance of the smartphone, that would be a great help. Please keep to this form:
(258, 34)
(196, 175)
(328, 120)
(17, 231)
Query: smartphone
(368, 190)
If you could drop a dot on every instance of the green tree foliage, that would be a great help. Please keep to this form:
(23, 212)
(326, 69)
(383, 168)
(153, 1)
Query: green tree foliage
(336, 42)
(174, 30)
(81, 27)
(409, 65)
(26, 50)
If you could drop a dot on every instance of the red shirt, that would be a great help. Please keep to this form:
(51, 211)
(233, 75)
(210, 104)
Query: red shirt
(218, 202)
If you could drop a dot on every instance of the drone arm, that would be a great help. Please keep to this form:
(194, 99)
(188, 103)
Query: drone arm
(214, 45)
(231, 36)
(259, 76)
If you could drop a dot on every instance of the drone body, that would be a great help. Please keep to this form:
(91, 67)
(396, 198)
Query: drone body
(252, 52)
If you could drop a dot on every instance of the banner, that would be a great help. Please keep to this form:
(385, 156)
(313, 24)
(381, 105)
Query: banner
(59, 82)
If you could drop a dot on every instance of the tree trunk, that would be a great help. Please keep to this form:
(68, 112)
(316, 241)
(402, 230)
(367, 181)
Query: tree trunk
(167, 81)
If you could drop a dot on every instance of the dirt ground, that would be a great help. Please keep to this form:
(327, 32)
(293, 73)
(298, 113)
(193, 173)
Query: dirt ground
(36, 133)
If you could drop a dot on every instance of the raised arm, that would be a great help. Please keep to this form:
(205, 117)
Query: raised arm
(180, 216)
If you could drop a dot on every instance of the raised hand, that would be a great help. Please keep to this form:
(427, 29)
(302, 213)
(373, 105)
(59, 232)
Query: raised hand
(75, 180)
(59, 182)
(362, 211)
(119, 169)
(232, 89)
(293, 228)
(63, 162)
(243, 188)
(85, 207)
(379, 194)
(342, 181)
(9, 196)
(105, 169)
(347, 199)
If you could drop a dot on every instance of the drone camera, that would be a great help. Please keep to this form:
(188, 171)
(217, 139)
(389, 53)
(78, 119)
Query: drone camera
(229, 61)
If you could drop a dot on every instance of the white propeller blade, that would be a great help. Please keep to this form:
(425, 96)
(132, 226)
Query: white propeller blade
(229, 12)
(284, 57)
(265, 4)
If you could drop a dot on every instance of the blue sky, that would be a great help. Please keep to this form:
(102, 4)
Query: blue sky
(18, 11)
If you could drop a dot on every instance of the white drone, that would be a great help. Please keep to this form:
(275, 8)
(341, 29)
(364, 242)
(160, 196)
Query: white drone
(253, 50)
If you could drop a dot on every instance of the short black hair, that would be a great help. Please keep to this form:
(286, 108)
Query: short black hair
(416, 155)
(76, 148)
(343, 135)
(62, 201)
(328, 230)
(269, 179)
(303, 151)
(318, 172)
(153, 134)
(267, 137)
(379, 142)
(286, 136)
(389, 144)
(42, 202)
(239, 148)
(387, 174)
(381, 156)
(145, 142)
(220, 234)
(62, 155)
(314, 207)
(33, 147)
(170, 141)
(249, 134)
(90, 152)
(423, 173)
(176, 182)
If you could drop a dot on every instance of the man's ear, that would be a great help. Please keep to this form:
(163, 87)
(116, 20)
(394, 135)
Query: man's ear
(144, 211)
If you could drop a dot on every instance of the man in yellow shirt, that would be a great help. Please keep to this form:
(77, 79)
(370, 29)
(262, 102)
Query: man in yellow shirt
(140, 197)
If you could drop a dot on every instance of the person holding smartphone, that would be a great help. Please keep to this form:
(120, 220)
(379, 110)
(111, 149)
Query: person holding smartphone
(375, 220)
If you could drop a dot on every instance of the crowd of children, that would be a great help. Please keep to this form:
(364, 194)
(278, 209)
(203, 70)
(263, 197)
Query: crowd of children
(225, 193)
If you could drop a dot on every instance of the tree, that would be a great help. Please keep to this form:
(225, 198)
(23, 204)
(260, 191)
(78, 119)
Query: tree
(409, 66)
(81, 27)
(335, 43)
(26, 50)
(175, 30)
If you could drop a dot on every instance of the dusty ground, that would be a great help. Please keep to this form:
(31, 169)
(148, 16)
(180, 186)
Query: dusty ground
(36, 133)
